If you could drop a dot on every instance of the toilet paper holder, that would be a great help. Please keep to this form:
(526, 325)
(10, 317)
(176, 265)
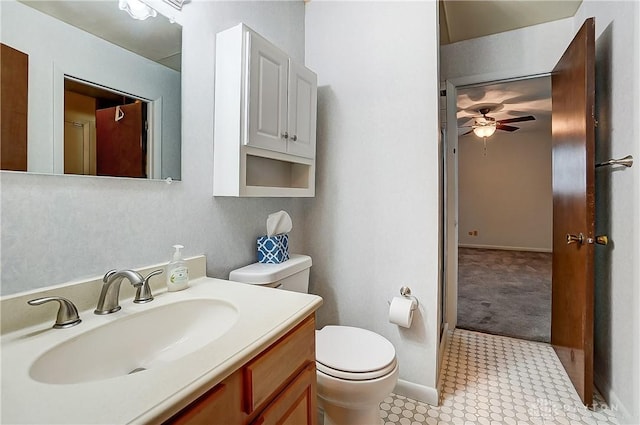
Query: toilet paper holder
(405, 291)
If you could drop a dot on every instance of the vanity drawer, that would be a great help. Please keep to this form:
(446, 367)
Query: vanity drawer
(271, 371)
(219, 405)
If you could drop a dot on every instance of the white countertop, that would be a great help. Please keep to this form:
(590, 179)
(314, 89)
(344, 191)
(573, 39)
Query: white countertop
(154, 395)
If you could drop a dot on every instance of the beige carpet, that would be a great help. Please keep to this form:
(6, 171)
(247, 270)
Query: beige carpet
(505, 292)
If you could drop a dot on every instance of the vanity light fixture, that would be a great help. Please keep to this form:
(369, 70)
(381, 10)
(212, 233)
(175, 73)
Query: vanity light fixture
(137, 9)
(175, 3)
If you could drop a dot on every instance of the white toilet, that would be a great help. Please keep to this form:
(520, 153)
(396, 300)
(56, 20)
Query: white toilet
(356, 368)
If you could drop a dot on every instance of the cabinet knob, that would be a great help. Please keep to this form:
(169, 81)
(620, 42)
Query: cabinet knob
(294, 137)
(285, 135)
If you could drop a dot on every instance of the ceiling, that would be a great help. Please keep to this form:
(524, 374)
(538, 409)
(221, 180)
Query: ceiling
(507, 100)
(154, 38)
(466, 19)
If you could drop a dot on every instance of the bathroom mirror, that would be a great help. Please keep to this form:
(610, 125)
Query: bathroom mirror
(65, 49)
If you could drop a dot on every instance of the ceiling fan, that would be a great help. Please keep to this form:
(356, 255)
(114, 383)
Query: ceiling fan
(485, 126)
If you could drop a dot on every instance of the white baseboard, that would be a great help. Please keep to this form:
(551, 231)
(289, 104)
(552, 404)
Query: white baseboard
(613, 402)
(417, 392)
(420, 392)
(505, 248)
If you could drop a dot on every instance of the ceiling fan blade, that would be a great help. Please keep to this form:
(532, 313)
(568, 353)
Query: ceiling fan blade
(517, 119)
(468, 132)
(464, 121)
(506, 127)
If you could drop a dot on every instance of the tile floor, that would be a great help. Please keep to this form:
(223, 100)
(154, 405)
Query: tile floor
(495, 380)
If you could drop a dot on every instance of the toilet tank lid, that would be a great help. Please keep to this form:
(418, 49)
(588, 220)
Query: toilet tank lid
(263, 274)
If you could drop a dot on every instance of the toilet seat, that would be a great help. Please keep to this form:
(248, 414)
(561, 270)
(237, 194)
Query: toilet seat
(353, 354)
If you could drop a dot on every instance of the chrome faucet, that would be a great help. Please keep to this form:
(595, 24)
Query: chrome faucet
(67, 312)
(108, 301)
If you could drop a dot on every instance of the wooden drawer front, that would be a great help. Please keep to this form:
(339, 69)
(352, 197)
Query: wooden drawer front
(268, 373)
(296, 404)
(219, 405)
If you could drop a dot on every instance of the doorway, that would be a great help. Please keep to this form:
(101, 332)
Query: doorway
(505, 207)
(105, 132)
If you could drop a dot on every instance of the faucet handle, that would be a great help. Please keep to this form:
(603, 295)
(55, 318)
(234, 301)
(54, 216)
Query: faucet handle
(143, 293)
(67, 312)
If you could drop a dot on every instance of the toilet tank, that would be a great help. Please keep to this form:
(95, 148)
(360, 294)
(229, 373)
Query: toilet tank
(291, 275)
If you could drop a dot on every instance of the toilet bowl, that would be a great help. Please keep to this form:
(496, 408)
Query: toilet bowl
(356, 368)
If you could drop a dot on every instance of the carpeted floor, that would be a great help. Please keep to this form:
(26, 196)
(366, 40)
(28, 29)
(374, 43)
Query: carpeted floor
(505, 292)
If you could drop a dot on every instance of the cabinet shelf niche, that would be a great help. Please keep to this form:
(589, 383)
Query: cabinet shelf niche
(276, 175)
(268, 172)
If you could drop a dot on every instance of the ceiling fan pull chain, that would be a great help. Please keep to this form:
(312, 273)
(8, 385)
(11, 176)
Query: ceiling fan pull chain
(484, 150)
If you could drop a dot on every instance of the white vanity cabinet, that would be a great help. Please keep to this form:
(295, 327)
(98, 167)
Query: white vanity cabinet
(265, 119)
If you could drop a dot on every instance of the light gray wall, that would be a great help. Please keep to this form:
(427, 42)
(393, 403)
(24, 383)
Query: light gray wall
(506, 194)
(617, 324)
(60, 228)
(373, 225)
(536, 50)
(526, 51)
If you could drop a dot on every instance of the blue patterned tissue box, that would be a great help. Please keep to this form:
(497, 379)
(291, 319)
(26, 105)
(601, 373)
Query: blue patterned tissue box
(273, 249)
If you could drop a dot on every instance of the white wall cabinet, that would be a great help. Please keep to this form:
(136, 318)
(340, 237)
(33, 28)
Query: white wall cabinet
(265, 119)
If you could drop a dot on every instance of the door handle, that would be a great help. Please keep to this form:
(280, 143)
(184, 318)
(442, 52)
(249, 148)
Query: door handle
(575, 239)
(600, 240)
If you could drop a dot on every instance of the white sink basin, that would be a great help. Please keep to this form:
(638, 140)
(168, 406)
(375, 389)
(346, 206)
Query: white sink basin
(135, 343)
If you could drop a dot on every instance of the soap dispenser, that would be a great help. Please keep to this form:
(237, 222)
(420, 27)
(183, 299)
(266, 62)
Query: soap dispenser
(177, 271)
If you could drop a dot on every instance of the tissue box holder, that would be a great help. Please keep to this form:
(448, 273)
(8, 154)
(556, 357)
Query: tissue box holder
(273, 249)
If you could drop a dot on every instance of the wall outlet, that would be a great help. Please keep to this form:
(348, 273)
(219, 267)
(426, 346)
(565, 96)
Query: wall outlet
(473, 233)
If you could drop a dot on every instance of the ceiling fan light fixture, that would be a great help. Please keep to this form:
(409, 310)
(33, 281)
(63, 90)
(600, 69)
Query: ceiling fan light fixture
(137, 9)
(485, 128)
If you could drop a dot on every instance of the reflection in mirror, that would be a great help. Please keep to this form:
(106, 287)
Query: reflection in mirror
(105, 132)
(59, 73)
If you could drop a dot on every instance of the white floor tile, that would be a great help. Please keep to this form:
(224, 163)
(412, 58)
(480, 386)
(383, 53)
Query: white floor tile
(494, 380)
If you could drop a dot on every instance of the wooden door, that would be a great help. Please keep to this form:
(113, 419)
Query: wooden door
(14, 85)
(573, 134)
(119, 149)
(267, 95)
(302, 100)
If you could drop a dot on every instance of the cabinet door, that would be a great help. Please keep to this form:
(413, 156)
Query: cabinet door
(302, 110)
(268, 373)
(266, 95)
(296, 404)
